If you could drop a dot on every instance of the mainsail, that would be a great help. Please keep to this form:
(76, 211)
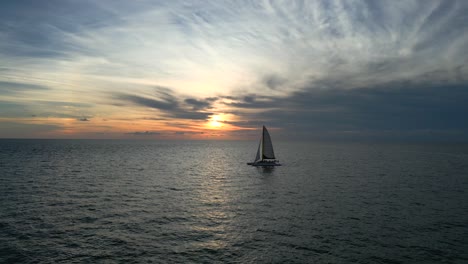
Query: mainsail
(267, 146)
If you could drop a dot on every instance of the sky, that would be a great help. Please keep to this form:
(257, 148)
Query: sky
(213, 69)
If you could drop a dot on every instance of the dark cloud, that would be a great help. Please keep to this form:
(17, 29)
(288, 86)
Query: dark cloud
(394, 109)
(273, 81)
(165, 100)
(191, 115)
(145, 133)
(162, 99)
(149, 102)
(83, 119)
(15, 87)
(199, 104)
(188, 133)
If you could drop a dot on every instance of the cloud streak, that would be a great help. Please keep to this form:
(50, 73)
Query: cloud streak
(169, 105)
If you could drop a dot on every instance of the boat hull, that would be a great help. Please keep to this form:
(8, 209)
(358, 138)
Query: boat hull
(263, 164)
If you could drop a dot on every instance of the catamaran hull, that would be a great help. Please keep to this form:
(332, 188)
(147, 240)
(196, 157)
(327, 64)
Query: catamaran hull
(263, 164)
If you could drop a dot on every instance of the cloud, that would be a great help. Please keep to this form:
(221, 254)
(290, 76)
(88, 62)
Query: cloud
(7, 87)
(22, 108)
(145, 133)
(169, 105)
(251, 101)
(188, 133)
(200, 104)
(402, 107)
(47, 31)
(274, 81)
(149, 102)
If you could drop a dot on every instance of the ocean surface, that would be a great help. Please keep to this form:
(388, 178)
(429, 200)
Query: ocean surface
(95, 201)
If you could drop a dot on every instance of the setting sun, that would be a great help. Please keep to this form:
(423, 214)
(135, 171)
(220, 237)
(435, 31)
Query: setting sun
(215, 122)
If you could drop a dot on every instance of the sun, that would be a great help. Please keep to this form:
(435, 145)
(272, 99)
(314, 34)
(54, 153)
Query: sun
(214, 121)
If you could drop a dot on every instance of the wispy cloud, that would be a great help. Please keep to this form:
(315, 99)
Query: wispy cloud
(8, 88)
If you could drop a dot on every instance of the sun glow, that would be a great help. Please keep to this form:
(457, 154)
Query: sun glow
(215, 122)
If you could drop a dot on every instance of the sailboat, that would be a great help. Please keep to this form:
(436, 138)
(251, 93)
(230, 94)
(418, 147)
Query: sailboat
(265, 155)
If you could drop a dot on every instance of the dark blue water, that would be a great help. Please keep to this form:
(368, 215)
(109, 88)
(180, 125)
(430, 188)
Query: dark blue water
(180, 202)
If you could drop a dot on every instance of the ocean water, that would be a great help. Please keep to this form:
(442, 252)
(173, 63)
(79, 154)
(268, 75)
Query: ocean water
(94, 201)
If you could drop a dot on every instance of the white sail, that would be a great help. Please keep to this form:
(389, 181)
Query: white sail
(258, 156)
(267, 146)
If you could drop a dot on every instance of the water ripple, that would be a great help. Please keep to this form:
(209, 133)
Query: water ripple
(181, 202)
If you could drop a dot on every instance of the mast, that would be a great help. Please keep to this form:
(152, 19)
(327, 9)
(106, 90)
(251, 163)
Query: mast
(263, 139)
